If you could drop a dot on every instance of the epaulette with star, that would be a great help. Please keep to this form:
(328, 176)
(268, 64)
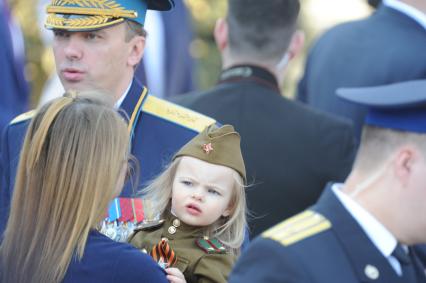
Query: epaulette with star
(210, 245)
(298, 227)
(23, 117)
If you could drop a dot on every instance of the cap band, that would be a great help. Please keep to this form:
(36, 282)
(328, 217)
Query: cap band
(411, 120)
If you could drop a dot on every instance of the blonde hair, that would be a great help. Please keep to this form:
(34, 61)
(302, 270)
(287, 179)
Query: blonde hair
(377, 145)
(68, 173)
(229, 230)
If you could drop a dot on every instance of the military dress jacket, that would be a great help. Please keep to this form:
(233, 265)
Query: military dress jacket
(322, 244)
(159, 129)
(106, 261)
(385, 48)
(197, 257)
(290, 151)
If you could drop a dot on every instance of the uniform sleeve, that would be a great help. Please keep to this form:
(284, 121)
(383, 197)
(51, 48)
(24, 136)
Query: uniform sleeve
(267, 261)
(213, 268)
(133, 266)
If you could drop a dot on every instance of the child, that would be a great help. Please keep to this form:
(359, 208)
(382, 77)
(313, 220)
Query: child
(201, 199)
(73, 163)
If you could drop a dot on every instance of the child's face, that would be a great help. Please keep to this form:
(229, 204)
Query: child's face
(201, 191)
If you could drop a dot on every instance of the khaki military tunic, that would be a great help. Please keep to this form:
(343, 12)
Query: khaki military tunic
(198, 264)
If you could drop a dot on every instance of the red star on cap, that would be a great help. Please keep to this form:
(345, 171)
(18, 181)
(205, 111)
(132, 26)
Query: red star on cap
(207, 147)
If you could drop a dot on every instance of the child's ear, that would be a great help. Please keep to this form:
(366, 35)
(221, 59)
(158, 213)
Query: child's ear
(227, 212)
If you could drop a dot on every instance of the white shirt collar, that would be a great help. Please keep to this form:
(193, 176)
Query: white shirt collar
(408, 10)
(121, 99)
(378, 234)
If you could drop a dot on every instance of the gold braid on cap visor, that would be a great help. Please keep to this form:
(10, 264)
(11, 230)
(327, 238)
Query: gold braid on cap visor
(100, 13)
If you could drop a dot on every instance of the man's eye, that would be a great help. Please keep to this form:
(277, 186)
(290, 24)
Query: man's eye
(60, 34)
(92, 36)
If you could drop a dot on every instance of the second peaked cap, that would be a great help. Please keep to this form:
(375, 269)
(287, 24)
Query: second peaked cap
(217, 145)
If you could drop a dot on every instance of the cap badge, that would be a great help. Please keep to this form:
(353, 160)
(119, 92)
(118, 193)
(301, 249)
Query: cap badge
(207, 147)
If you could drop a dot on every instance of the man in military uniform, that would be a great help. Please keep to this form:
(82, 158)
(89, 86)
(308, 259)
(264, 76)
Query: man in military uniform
(97, 45)
(362, 230)
(290, 150)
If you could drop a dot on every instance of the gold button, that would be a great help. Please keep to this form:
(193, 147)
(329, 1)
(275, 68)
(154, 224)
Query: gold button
(172, 230)
(176, 223)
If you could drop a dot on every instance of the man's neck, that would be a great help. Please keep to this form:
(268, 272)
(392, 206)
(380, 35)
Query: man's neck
(229, 62)
(122, 89)
(376, 198)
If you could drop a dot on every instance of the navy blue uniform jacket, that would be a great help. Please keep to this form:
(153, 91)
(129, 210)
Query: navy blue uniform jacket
(107, 261)
(159, 129)
(384, 48)
(324, 244)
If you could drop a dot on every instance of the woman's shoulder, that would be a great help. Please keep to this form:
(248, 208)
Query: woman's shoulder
(105, 260)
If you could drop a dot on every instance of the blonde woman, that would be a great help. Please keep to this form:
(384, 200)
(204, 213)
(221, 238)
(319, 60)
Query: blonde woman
(202, 201)
(73, 163)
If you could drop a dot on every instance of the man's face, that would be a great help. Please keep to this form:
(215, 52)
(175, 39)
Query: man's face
(94, 59)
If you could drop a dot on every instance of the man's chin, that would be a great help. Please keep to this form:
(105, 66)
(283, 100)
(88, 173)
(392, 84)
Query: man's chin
(78, 86)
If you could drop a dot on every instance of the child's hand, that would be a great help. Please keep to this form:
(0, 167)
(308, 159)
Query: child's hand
(174, 275)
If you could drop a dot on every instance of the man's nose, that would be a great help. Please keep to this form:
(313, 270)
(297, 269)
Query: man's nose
(73, 48)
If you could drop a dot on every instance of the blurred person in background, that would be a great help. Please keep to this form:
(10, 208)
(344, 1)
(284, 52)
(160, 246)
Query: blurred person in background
(14, 98)
(291, 151)
(386, 47)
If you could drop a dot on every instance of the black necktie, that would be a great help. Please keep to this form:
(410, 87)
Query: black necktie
(407, 265)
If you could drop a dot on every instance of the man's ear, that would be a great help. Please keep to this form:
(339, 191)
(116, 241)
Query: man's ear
(404, 162)
(296, 44)
(137, 48)
(221, 34)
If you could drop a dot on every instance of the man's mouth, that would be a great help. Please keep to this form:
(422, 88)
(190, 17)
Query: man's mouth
(72, 74)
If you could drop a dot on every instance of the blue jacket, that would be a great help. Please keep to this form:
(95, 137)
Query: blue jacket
(387, 47)
(323, 244)
(159, 129)
(107, 261)
(14, 89)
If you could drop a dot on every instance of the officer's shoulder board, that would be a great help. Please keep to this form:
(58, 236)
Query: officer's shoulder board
(176, 114)
(211, 245)
(23, 117)
(298, 227)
